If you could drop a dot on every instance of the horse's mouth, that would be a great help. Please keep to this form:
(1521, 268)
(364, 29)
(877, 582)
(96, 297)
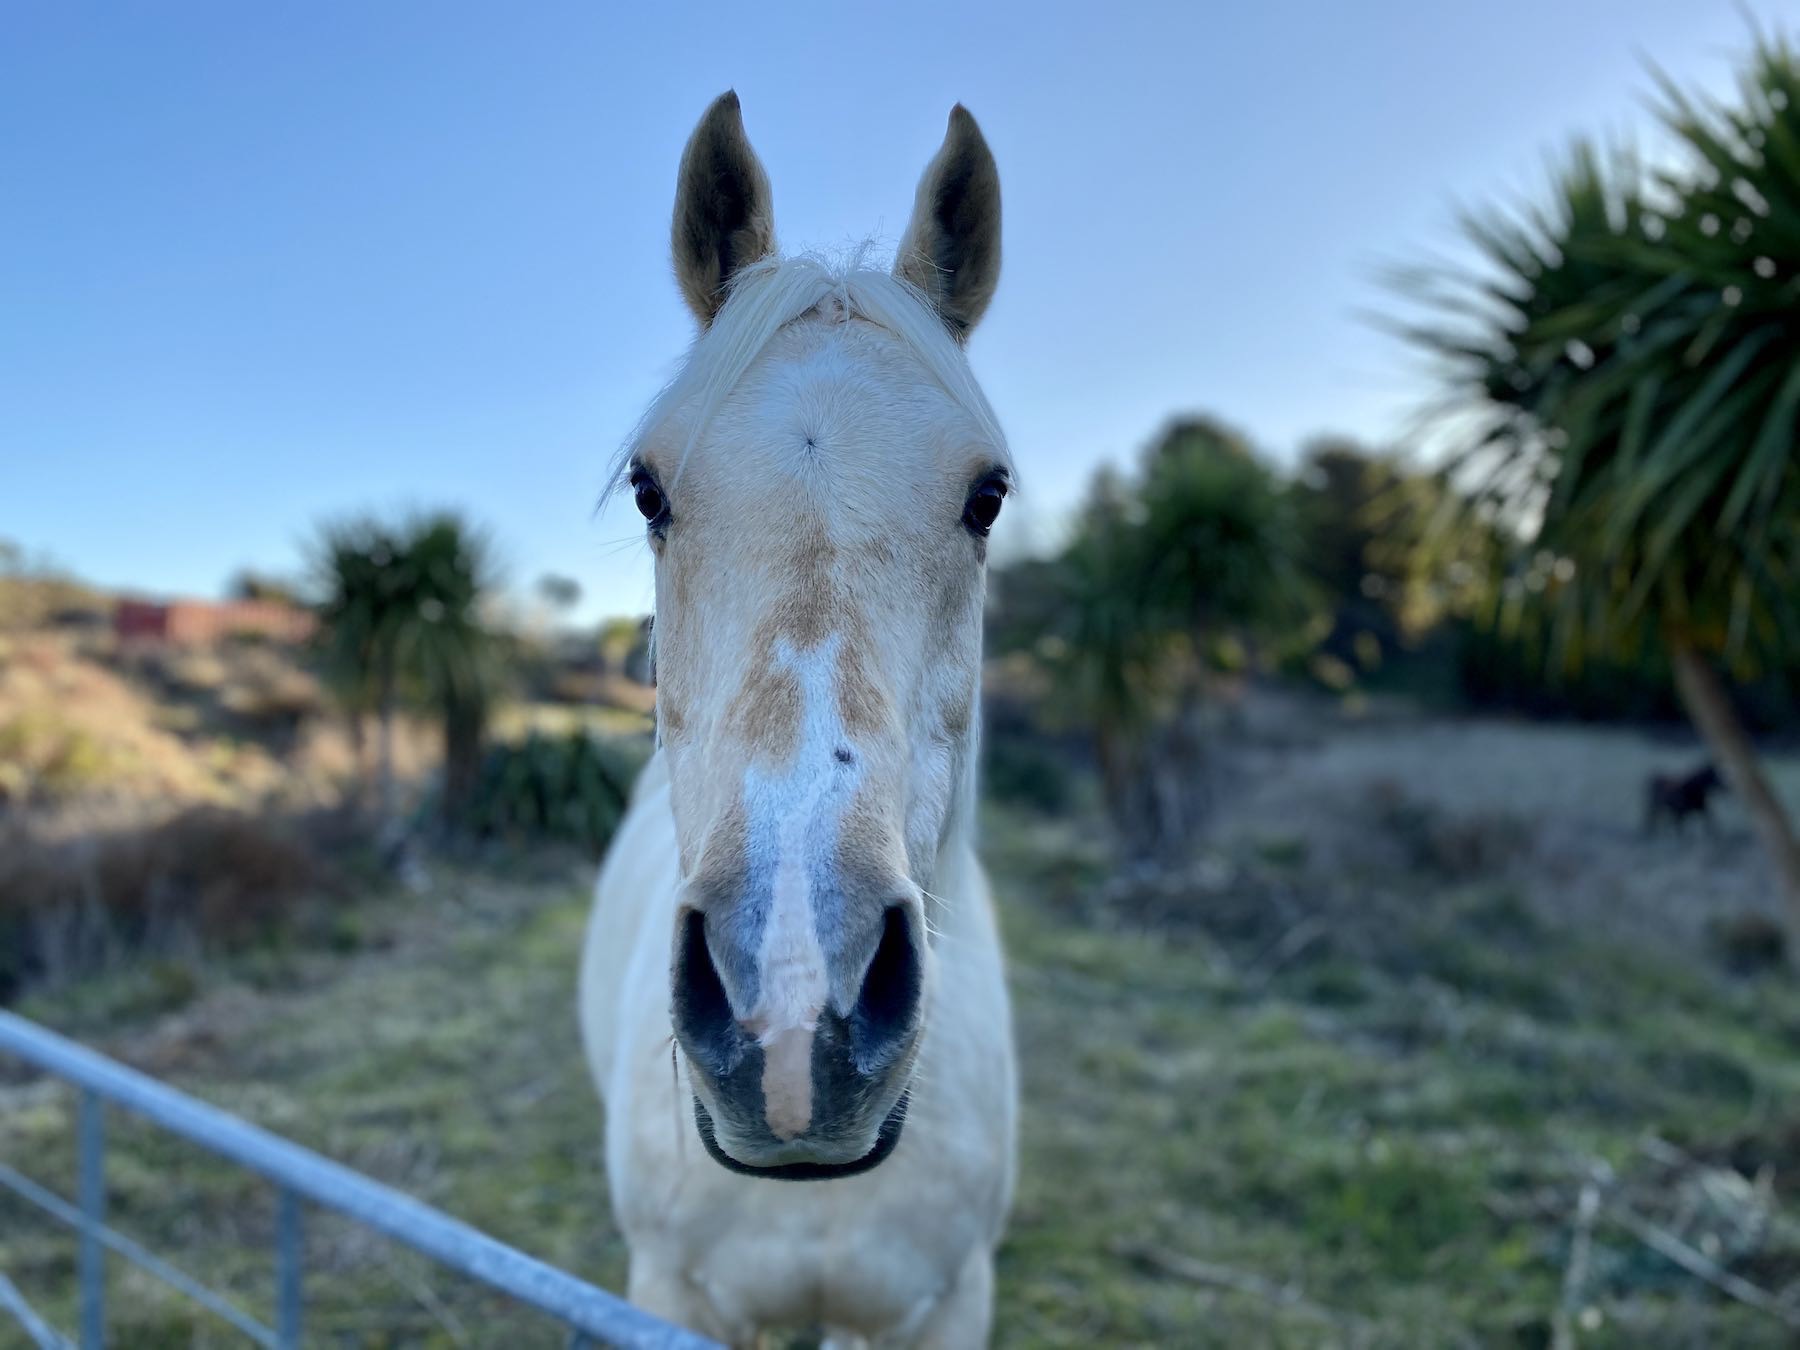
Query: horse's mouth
(885, 1139)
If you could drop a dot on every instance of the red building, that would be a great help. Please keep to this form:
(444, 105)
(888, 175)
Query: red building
(197, 622)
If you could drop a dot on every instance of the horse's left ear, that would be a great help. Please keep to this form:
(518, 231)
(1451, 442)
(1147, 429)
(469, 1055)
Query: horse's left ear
(951, 250)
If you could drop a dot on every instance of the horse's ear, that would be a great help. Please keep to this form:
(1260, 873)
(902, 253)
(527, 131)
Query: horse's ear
(951, 250)
(724, 213)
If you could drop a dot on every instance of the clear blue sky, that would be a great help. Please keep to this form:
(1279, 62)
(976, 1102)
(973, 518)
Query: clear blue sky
(264, 264)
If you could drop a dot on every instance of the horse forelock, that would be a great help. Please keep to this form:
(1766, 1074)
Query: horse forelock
(768, 296)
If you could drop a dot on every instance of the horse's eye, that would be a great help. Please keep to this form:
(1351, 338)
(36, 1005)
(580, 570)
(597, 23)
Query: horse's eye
(983, 507)
(650, 502)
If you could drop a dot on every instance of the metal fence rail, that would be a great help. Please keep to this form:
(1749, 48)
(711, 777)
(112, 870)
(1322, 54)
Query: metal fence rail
(300, 1176)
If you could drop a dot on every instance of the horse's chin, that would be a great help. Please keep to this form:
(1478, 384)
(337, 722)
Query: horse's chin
(885, 1139)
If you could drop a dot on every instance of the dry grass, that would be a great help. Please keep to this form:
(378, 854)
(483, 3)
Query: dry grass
(1559, 808)
(204, 879)
(238, 724)
(53, 696)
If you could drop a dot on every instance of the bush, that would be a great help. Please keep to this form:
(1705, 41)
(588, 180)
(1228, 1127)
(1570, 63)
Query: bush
(1434, 842)
(573, 787)
(205, 877)
(44, 758)
(1749, 943)
(1028, 772)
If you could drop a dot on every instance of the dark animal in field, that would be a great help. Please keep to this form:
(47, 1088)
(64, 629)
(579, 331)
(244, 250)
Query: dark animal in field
(1678, 796)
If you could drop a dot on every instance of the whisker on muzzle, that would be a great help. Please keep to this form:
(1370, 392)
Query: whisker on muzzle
(676, 1099)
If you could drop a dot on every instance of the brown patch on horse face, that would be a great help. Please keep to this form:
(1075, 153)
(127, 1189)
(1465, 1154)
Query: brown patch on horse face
(880, 552)
(956, 715)
(808, 609)
(765, 713)
(862, 706)
(869, 839)
(722, 856)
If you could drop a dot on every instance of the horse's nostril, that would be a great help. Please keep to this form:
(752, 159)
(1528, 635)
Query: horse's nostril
(887, 1009)
(702, 1011)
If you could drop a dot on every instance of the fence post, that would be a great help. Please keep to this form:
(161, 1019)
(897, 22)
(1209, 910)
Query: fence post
(92, 1183)
(290, 1262)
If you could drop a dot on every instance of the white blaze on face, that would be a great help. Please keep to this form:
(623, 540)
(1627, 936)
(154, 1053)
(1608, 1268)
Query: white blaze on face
(798, 813)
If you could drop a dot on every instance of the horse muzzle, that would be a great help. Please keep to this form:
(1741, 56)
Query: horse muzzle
(820, 1097)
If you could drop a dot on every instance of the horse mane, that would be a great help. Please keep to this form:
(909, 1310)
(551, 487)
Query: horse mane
(769, 295)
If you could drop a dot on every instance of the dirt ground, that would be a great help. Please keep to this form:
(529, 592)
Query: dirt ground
(1565, 803)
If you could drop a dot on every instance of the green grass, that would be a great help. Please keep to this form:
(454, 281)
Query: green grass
(1376, 1141)
(1398, 1145)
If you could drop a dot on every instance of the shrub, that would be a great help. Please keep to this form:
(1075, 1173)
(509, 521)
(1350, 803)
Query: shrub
(1434, 842)
(1749, 942)
(43, 757)
(572, 787)
(205, 877)
(1025, 771)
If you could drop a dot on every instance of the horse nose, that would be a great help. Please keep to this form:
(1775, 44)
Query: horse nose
(810, 1077)
(701, 1008)
(885, 1015)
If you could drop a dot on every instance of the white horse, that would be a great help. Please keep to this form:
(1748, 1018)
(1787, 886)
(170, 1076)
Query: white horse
(791, 992)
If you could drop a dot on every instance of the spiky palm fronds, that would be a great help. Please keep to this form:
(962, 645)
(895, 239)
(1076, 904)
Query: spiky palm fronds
(1627, 371)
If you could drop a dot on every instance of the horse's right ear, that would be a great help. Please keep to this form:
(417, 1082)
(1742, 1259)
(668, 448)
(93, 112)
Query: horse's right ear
(951, 250)
(724, 212)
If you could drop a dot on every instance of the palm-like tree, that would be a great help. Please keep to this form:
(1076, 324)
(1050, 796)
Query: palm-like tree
(1107, 655)
(1221, 548)
(1165, 568)
(447, 651)
(357, 568)
(400, 623)
(1632, 356)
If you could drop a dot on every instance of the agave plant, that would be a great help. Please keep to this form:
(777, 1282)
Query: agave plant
(1624, 376)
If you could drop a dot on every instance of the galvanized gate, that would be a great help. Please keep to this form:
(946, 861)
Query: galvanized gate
(301, 1178)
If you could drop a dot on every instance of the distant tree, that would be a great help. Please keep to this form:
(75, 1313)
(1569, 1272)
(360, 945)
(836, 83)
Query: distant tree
(1631, 355)
(1220, 546)
(251, 585)
(622, 643)
(1371, 545)
(1336, 491)
(1106, 653)
(561, 593)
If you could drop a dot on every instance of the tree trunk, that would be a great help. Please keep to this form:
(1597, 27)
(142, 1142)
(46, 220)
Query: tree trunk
(1118, 781)
(359, 752)
(465, 723)
(1707, 703)
(384, 753)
